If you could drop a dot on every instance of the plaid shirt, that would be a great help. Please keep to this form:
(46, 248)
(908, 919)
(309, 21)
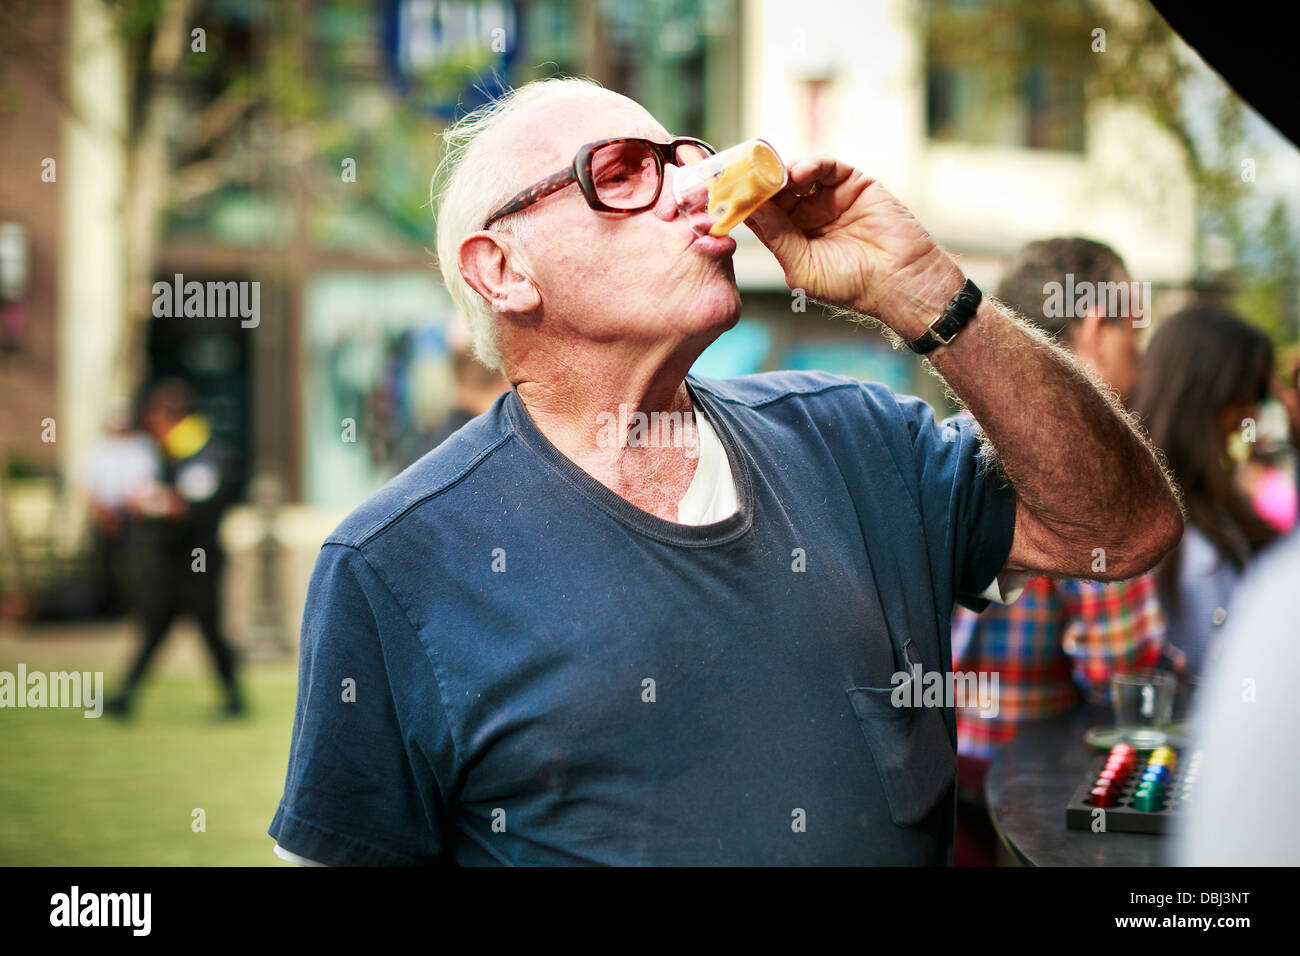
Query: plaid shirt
(1058, 644)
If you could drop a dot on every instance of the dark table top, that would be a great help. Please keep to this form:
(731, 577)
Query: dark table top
(1031, 781)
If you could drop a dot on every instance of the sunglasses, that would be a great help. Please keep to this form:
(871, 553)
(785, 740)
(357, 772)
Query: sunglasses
(624, 174)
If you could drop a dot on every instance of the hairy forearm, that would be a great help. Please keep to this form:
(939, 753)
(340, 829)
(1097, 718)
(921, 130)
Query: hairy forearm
(1081, 469)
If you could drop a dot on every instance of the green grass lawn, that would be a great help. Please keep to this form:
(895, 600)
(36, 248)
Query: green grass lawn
(99, 792)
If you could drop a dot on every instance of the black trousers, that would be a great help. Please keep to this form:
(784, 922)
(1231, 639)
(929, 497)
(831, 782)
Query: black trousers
(169, 589)
(111, 573)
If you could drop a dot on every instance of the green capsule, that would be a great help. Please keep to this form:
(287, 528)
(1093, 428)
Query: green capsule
(1149, 801)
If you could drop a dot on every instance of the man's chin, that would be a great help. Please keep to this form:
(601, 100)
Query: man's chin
(717, 308)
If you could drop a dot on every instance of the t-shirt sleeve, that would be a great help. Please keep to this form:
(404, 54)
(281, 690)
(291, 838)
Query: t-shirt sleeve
(358, 791)
(967, 505)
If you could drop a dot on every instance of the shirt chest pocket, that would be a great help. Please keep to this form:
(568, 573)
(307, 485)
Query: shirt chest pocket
(910, 747)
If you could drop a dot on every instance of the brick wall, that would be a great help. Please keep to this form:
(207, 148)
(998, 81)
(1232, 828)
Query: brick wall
(29, 131)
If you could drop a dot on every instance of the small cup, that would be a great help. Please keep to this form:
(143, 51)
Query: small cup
(1143, 705)
(730, 185)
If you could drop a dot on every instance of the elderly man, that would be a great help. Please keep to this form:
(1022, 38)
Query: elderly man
(540, 646)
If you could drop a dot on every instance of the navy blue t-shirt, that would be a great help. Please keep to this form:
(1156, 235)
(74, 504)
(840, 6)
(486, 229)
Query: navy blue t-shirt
(502, 661)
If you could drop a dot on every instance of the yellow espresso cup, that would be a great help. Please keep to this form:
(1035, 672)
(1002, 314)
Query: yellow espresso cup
(731, 184)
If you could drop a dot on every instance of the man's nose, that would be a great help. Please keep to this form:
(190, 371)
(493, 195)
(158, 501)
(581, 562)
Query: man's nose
(666, 206)
(695, 210)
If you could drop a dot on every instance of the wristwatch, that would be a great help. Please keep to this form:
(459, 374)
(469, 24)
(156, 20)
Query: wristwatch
(945, 328)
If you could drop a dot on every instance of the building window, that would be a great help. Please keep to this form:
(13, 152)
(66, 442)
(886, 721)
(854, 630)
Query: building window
(677, 58)
(1004, 73)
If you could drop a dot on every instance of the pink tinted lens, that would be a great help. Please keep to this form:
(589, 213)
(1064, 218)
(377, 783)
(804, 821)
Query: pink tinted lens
(625, 175)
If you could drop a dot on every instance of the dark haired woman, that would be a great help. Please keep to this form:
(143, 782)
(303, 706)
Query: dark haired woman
(1205, 371)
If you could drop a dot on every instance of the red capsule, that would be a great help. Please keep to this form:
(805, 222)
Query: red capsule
(1103, 797)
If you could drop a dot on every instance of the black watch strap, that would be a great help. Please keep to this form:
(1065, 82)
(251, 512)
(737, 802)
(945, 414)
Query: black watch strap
(943, 329)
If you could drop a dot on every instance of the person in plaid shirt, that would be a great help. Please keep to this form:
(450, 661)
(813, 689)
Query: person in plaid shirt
(1061, 640)
(1057, 644)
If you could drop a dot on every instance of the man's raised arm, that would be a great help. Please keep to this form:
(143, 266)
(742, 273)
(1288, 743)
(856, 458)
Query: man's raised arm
(1088, 485)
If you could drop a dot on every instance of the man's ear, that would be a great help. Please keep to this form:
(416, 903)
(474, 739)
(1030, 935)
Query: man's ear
(1086, 341)
(485, 260)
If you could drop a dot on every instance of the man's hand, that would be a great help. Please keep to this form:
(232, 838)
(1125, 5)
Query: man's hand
(851, 244)
(107, 520)
(157, 501)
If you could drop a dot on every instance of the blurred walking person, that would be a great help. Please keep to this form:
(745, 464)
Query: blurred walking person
(119, 466)
(174, 538)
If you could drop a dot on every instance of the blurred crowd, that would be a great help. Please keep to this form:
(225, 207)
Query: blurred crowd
(1227, 428)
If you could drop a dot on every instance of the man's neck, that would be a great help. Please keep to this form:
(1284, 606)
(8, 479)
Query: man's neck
(629, 432)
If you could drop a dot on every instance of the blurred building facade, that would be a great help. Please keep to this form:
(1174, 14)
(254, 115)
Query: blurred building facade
(349, 359)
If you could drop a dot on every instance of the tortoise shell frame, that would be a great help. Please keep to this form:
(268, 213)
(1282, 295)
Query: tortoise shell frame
(580, 172)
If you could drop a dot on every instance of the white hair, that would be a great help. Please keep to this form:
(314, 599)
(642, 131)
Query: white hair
(470, 183)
